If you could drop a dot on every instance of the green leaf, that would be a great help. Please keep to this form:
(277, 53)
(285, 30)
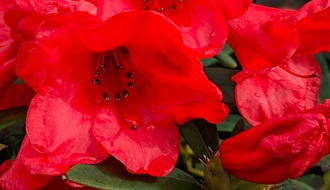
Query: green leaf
(293, 185)
(209, 62)
(229, 123)
(112, 175)
(325, 80)
(222, 79)
(227, 49)
(313, 180)
(226, 60)
(324, 163)
(18, 81)
(12, 117)
(209, 133)
(239, 127)
(193, 137)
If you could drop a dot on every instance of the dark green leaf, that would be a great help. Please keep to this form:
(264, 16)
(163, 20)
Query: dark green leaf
(112, 175)
(313, 180)
(193, 137)
(209, 133)
(209, 62)
(227, 49)
(229, 123)
(324, 163)
(325, 80)
(293, 185)
(239, 127)
(226, 60)
(222, 79)
(18, 81)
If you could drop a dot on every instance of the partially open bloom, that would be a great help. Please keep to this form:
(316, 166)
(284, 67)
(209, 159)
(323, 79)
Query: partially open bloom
(200, 22)
(280, 148)
(117, 87)
(275, 47)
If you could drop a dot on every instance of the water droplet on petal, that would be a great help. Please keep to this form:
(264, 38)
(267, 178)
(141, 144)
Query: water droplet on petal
(151, 128)
(257, 94)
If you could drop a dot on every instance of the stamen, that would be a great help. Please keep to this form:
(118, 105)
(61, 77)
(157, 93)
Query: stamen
(96, 81)
(117, 96)
(125, 93)
(134, 127)
(129, 75)
(106, 96)
(130, 84)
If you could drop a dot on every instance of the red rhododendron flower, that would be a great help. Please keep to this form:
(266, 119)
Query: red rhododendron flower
(280, 75)
(200, 21)
(118, 87)
(281, 148)
(18, 21)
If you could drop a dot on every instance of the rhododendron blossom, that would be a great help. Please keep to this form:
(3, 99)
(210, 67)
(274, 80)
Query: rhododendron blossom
(280, 148)
(280, 68)
(115, 87)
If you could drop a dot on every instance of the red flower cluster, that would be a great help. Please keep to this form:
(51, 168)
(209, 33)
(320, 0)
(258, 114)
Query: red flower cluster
(277, 92)
(116, 77)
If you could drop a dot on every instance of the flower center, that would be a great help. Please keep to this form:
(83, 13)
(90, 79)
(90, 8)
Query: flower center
(162, 5)
(114, 80)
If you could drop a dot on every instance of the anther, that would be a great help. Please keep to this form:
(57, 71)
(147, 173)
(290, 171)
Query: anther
(130, 84)
(103, 67)
(119, 66)
(117, 96)
(129, 75)
(161, 9)
(97, 72)
(174, 7)
(145, 0)
(146, 8)
(106, 96)
(134, 127)
(96, 81)
(125, 93)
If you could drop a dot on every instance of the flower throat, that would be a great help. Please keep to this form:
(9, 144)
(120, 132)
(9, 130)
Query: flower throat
(113, 77)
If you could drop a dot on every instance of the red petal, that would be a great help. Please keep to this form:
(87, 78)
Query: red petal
(30, 170)
(59, 124)
(274, 92)
(200, 21)
(254, 36)
(234, 8)
(15, 96)
(7, 53)
(57, 51)
(280, 148)
(57, 6)
(314, 32)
